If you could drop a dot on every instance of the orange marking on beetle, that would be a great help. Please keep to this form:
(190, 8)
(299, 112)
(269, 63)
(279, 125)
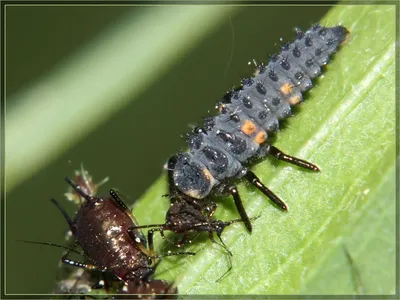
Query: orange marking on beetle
(248, 127)
(294, 100)
(286, 88)
(260, 137)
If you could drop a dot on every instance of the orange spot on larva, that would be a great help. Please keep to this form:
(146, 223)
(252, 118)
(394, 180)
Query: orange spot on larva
(248, 127)
(207, 174)
(286, 89)
(294, 100)
(260, 137)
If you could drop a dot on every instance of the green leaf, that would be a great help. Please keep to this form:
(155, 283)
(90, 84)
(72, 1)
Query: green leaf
(347, 127)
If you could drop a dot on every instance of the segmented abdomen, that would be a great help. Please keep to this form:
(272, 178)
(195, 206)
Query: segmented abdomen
(247, 115)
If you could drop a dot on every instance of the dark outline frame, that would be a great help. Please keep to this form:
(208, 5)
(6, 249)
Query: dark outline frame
(177, 2)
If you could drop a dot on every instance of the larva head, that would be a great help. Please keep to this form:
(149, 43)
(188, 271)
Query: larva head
(190, 176)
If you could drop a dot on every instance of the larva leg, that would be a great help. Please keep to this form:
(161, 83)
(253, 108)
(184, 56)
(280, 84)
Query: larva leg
(278, 154)
(253, 179)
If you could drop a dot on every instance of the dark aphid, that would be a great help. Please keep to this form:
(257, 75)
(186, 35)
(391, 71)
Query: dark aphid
(127, 264)
(105, 230)
(186, 216)
(81, 281)
(71, 280)
(222, 150)
(102, 229)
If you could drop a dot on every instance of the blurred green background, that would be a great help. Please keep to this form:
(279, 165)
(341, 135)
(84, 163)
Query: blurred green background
(131, 145)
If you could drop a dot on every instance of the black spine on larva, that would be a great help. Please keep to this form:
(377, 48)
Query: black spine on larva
(248, 114)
